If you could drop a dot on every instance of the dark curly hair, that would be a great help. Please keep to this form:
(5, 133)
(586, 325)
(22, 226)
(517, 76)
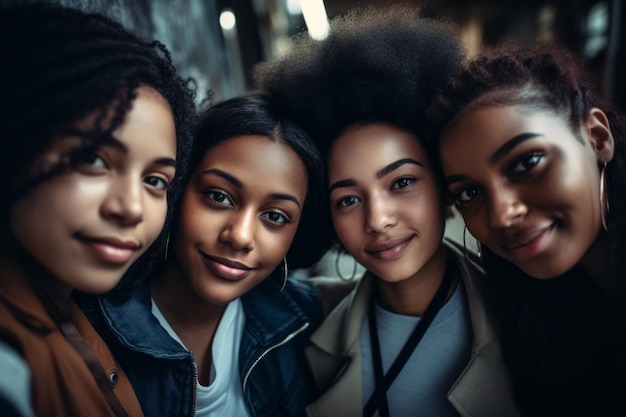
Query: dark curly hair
(558, 336)
(60, 65)
(376, 65)
(256, 114)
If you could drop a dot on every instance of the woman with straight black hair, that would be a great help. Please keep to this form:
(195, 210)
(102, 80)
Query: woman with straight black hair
(221, 329)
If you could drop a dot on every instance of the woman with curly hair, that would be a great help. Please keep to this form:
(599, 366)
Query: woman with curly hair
(416, 335)
(95, 128)
(536, 164)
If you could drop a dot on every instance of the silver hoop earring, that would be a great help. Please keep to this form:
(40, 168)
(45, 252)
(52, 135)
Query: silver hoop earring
(167, 245)
(339, 271)
(286, 270)
(478, 246)
(604, 198)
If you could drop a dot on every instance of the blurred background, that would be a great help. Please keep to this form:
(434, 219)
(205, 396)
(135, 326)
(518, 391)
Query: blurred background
(217, 42)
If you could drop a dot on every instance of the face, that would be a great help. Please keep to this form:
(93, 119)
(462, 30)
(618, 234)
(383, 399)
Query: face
(385, 201)
(526, 186)
(239, 215)
(87, 226)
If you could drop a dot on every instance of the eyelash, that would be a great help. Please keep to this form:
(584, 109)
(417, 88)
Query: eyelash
(284, 218)
(534, 156)
(524, 159)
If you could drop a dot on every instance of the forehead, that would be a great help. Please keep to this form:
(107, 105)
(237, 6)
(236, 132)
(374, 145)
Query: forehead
(482, 131)
(259, 163)
(371, 147)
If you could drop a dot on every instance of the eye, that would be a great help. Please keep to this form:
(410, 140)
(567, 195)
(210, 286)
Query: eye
(219, 197)
(402, 182)
(466, 194)
(347, 201)
(276, 217)
(157, 182)
(90, 161)
(525, 163)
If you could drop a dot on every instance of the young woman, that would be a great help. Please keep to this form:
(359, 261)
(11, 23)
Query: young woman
(220, 330)
(536, 164)
(94, 130)
(415, 337)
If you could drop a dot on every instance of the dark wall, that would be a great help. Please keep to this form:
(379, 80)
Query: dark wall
(189, 28)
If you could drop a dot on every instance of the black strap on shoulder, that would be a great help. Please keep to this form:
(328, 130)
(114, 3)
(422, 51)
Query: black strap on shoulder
(378, 400)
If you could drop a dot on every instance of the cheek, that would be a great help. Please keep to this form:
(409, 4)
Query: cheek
(345, 227)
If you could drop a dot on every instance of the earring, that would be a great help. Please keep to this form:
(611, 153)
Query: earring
(604, 198)
(339, 271)
(282, 287)
(167, 245)
(478, 246)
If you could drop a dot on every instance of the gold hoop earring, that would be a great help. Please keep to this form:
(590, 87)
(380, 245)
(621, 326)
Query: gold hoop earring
(478, 246)
(604, 198)
(339, 271)
(167, 245)
(286, 270)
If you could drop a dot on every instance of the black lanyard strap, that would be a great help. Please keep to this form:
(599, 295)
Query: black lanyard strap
(378, 400)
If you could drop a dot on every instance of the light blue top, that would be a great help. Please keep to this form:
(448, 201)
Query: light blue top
(15, 380)
(421, 387)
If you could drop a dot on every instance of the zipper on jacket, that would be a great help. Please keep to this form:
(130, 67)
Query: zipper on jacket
(268, 350)
(195, 388)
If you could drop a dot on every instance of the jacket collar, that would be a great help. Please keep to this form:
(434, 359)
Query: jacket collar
(20, 295)
(270, 314)
(134, 325)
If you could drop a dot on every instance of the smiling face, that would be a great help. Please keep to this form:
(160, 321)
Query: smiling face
(526, 185)
(385, 201)
(87, 226)
(239, 215)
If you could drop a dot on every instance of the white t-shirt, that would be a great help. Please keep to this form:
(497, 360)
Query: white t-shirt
(224, 395)
(421, 386)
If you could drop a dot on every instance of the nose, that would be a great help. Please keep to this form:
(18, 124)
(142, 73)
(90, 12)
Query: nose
(124, 202)
(239, 231)
(380, 215)
(505, 207)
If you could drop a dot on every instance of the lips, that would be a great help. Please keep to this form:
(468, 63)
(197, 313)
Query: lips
(110, 249)
(528, 243)
(390, 249)
(227, 268)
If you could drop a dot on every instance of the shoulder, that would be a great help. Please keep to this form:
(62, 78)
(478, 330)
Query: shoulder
(332, 290)
(14, 383)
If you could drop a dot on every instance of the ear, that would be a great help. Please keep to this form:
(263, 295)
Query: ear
(599, 134)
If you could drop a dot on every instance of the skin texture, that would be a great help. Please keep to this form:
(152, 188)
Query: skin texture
(535, 201)
(87, 226)
(387, 212)
(239, 215)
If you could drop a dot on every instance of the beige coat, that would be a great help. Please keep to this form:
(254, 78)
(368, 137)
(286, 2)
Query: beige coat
(482, 390)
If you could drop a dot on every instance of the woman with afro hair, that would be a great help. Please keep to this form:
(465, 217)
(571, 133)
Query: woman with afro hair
(536, 164)
(416, 336)
(94, 135)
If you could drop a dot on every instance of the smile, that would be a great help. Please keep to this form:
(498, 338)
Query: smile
(226, 268)
(109, 249)
(391, 249)
(528, 244)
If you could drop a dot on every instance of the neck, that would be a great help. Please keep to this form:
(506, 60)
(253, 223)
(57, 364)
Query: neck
(193, 319)
(413, 295)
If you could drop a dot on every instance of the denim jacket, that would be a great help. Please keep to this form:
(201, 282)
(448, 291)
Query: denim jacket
(274, 374)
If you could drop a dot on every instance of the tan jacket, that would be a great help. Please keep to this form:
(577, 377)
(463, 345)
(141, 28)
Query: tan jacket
(482, 390)
(62, 384)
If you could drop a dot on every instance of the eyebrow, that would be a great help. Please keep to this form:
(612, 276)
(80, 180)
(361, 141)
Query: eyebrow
(234, 181)
(499, 154)
(119, 145)
(379, 174)
(510, 145)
